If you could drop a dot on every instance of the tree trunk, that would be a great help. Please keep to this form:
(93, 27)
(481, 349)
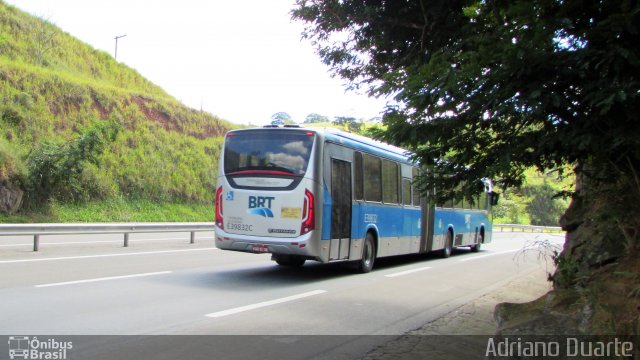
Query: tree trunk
(597, 277)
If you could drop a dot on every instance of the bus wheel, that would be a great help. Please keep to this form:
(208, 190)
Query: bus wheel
(448, 245)
(476, 247)
(289, 260)
(368, 254)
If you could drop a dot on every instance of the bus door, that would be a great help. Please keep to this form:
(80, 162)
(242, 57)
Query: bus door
(426, 233)
(340, 209)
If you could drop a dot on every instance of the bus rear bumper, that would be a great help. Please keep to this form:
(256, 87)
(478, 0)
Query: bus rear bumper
(257, 244)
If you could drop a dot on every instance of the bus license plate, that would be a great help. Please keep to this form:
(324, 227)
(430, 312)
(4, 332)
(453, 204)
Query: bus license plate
(260, 248)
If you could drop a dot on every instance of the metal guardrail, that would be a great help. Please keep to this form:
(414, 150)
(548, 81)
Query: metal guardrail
(37, 230)
(526, 228)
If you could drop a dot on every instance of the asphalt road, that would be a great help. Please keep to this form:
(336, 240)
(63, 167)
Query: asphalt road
(162, 285)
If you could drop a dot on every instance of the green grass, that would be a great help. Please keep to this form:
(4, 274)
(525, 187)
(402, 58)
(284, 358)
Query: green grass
(53, 92)
(116, 210)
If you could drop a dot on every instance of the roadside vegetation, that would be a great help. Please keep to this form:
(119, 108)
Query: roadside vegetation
(80, 130)
(88, 139)
(539, 201)
(115, 210)
(550, 85)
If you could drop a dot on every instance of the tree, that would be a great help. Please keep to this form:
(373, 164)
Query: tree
(543, 208)
(281, 118)
(487, 89)
(43, 35)
(314, 118)
(355, 127)
(344, 120)
(351, 123)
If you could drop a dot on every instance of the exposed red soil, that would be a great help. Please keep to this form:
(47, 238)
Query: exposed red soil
(155, 115)
(173, 124)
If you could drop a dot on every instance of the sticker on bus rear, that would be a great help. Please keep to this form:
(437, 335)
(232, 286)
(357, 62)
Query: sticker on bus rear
(291, 213)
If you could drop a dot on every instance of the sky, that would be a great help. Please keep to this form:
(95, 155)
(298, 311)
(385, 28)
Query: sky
(242, 61)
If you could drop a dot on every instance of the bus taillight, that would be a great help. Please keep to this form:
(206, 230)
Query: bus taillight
(219, 219)
(308, 215)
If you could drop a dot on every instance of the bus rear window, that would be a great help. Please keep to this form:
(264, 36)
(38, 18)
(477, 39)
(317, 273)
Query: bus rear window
(281, 153)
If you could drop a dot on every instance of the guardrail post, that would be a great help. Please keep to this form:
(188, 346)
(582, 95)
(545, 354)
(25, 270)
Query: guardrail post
(36, 242)
(193, 237)
(126, 239)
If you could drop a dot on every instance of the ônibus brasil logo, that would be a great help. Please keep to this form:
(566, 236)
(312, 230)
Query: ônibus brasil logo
(25, 347)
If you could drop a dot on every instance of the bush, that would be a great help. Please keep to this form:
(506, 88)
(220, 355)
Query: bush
(55, 168)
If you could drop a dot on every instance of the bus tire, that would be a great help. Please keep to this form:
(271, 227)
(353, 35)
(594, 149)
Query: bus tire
(448, 245)
(478, 245)
(365, 264)
(290, 260)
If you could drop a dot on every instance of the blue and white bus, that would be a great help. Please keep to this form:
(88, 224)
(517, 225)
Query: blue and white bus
(331, 196)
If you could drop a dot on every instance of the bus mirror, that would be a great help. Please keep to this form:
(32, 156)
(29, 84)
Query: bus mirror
(494, 198)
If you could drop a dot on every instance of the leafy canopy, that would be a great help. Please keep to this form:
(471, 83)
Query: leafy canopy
(490, 88)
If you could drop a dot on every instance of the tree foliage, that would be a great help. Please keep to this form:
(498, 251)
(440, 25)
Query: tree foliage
(535, 202)
(487, 89)
(281, 118)
(314, 118)
(56, 168)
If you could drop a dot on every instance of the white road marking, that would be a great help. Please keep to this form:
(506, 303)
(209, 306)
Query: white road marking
(101, 256)
(264, 304)
(103, 279)
(488, 255)
(407, 272)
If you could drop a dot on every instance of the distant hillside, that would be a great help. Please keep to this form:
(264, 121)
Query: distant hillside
(75, 125)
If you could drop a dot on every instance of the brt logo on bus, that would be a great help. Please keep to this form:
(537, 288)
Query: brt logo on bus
(260, 205)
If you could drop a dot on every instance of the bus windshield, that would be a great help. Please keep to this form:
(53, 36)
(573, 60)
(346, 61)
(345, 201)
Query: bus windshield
(267, 153)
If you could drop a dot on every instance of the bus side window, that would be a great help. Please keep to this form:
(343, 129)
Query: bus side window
(372, 179)
(358, 172)
(406, 191)
(414, 188)
(390, 188)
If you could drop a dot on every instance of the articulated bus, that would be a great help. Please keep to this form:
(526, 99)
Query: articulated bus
(326, 195)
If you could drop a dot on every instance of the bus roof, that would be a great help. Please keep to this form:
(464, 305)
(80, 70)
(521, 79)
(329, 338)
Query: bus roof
(355, 141)
(366, 144)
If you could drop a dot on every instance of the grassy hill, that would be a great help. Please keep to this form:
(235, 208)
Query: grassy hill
(76, 127)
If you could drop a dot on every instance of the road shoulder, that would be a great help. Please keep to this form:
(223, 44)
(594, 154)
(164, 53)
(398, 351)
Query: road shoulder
(452, 335)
